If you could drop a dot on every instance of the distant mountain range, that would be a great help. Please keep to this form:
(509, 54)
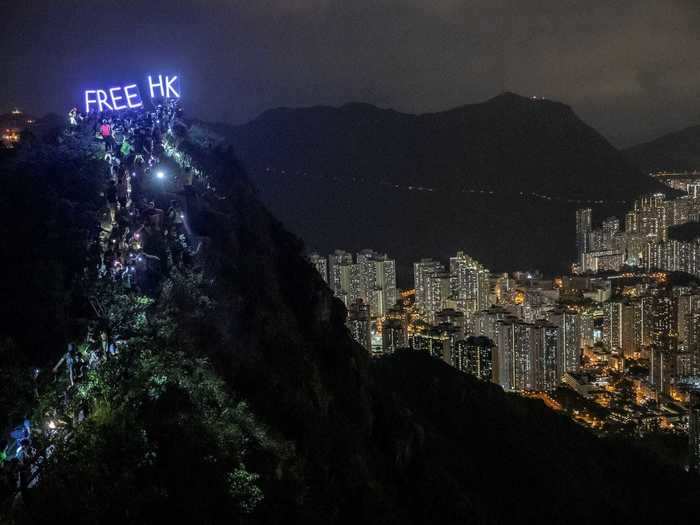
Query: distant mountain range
(678, 151)
(499, 179)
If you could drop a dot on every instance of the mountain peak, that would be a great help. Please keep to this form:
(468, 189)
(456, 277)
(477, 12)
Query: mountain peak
(508, 96)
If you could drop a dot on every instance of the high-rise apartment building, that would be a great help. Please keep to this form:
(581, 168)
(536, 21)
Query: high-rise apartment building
(421, 271)
(544, 356)
(689, 333)
(612, 325)
(662, 367)
(321, 265)
(438, 291)
(486, 322)
(439, 341)
(392, 336)
(610, 227)
(526, 356)
(343, 276)
(469, 283)
(586, 328)
(474, 356)
(663, 322)
(627, 326)
(569, 351)
(377, 281)
(648, 217)
(358, 323)
(512, 363)
(583, 228)
(454, 318)
(372, 278)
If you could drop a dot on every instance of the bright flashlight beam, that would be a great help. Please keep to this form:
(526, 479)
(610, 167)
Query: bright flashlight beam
(160, 174)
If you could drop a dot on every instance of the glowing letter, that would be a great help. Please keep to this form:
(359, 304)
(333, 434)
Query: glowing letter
(116, 98)
(89, 100)
(169, 87)
(159, 84)
(130, 96)
(102, 100)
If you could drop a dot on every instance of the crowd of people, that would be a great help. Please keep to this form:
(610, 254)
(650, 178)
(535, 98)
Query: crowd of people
(142, 233)
(140, 225)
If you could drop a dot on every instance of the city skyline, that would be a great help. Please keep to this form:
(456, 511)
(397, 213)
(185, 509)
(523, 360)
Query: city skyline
(617, 319)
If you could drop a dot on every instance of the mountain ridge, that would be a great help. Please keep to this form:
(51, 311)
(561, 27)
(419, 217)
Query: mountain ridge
(491, 168)
(675, 151)
(505, 97)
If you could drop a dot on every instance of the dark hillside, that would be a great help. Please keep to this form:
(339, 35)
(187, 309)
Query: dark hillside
(499, 458)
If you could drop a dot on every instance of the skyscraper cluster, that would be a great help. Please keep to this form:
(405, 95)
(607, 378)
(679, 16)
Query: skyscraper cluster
(470, 317)
(649, 319)
(648, 329)
(465, 287)
(365, 283)
(531, 355)
(646, 241)
(620, 331)
(509, 330)
(370, 277)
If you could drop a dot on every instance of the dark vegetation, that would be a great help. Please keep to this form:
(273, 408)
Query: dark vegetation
(667, 447)
(319, 167)
(242, 399)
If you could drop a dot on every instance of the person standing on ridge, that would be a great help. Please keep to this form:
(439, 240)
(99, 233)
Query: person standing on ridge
(73, 118)
(69, 358)
(106, 133)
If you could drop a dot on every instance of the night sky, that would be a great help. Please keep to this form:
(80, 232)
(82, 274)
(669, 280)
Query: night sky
(629, 68)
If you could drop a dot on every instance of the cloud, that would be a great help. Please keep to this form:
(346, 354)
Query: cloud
(627, 67)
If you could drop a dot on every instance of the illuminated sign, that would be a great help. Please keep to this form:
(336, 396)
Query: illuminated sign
(128, 96)
(165, 85)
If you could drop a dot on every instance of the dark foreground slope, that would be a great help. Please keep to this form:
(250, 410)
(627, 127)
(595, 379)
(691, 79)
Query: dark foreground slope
(499, 458)
(325, 435)
(319, 167)
(679, 151)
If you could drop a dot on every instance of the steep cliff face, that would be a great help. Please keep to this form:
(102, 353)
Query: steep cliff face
(332, 436)
(279, 339)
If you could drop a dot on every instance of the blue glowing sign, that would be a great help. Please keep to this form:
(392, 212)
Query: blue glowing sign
(118, 98)
(166, 87)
